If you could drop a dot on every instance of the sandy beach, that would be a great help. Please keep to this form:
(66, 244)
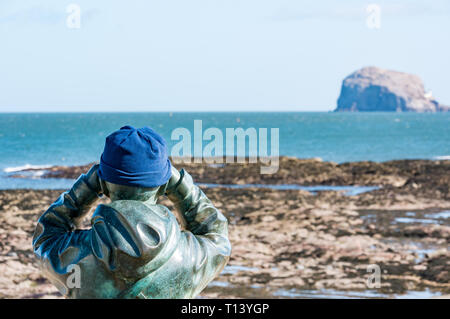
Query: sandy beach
(288, 243)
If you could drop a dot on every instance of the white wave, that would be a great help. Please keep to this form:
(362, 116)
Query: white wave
(443, 157)
(24, 167)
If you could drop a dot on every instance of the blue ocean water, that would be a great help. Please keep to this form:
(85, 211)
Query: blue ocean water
(77, 138)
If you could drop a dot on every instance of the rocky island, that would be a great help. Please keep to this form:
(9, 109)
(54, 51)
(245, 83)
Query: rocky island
(373, 89)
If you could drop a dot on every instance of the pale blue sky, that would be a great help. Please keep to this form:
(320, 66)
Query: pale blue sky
(209, 55)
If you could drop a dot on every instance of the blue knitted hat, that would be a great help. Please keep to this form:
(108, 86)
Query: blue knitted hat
(135, 157)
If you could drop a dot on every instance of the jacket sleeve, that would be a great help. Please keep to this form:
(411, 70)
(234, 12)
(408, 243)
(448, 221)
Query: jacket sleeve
(57, 241)
(206, 235)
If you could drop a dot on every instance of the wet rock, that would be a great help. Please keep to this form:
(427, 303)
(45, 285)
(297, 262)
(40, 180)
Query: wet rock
(286, 238)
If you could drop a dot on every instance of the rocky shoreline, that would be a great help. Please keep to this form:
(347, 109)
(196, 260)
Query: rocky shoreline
(289, 243)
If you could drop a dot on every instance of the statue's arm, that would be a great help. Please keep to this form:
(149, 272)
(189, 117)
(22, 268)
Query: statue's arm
(206, 239)
(57, 242)
(72, 206)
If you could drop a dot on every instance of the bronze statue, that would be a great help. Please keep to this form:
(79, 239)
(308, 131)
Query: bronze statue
(135, 247)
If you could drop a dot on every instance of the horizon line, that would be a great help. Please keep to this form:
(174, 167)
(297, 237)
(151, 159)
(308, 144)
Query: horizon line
(160, 111)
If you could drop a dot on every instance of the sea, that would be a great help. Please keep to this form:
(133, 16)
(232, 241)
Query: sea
(40, 140)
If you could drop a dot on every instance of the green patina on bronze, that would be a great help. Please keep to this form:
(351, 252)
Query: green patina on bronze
(135, 247)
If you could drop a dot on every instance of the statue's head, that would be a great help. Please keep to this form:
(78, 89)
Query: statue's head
(135, 164)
